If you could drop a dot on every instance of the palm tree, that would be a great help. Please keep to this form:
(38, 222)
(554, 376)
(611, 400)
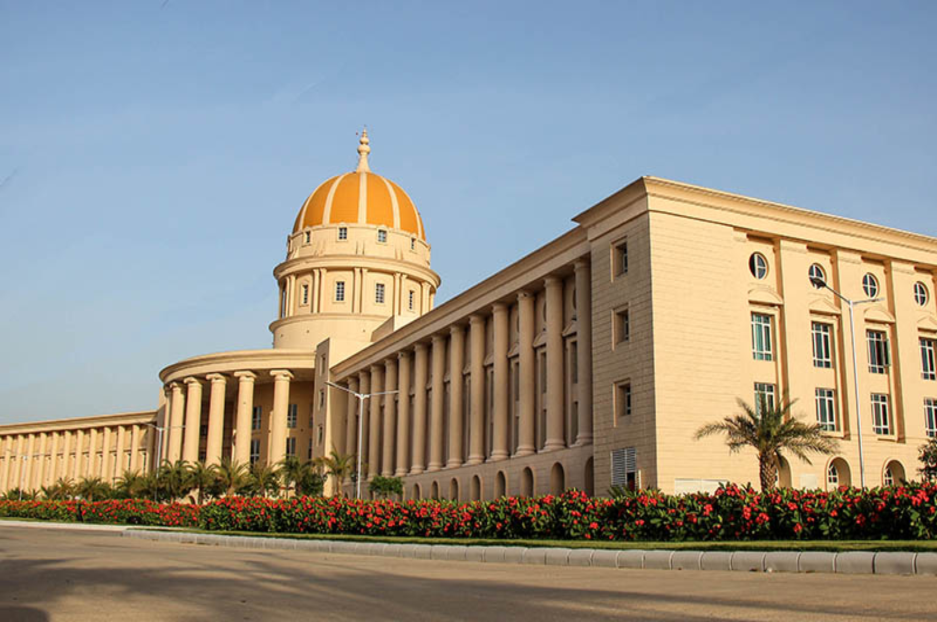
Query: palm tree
(92, 489)
(203, 477)
(291, 471)
(263, 480)
(129, 485)
(770, 430)
(175, 479)
(338, 466)
(232, 476)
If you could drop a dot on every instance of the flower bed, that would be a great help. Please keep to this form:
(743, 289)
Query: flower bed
(731, 513)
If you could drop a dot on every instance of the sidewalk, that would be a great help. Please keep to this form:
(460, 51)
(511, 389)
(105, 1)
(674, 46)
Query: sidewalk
(54, 525)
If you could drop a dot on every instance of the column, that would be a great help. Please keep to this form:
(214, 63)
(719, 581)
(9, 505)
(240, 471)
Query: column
(105, 472)
(75, 473)
(390, 417)
(154, 455)
(38, 460)
(120, 464)
(555, 380)
(193, 419)
(91, 469)
(456, 361)
(6, 454)
(242, 419)
(215, 419)
(66, 454)
(439, 394)
(135, 448)
(584, 349)
(502, 388)
(477, 371)
(53, 474)
(276, 448)
(175, 423)
(351, 419)
(403, 414)
(419, 410)
(374, 421)
(527, 369)
(16, 467)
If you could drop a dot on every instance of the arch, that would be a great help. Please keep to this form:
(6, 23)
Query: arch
(527, 483)
(784, 473)
(434, 491)
(588, 477)
(475, 491)
(454, 489)
(838, 474)
(501, 485)
(557, 479)
(893, 474)
(417, 492)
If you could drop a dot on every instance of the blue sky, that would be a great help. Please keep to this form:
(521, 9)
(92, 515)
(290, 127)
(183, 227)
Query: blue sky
(153, 155)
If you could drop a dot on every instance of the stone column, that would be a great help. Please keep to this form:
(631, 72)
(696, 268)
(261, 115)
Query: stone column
(456, 361)
(39, 461)
(374, 421)
(119, 463)
(555, 379)
(351, 419)
(390, 418)
(477, 407)
(6, 454)
(92, 469)
(419, 410)
(215, 419)
(403, 414)
(527, 369)
(53, 474)
(242, 422)
(135, 449)
(17, 466)
(106, 472)
(193, 419)
(66, 454)
(502, 380)
(584, 349)
(175, 423)
(75, 473)
(276, 447)
(439, 394)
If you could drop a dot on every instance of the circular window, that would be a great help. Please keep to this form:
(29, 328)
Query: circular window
(920, 294)
(758, 265)
(870, 286)
(817, 274)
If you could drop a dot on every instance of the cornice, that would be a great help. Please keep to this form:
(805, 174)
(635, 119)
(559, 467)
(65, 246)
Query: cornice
(76, 423)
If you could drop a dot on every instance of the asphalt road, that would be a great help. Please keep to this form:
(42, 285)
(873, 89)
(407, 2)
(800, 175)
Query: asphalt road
(69, 575)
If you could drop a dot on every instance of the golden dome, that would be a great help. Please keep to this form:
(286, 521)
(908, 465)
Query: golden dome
(361, 197)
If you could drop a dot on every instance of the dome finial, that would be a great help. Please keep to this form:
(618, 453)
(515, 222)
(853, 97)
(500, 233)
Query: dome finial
(363, 151)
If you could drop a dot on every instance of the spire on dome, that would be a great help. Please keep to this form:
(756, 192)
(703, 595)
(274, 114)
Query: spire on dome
(363, 151)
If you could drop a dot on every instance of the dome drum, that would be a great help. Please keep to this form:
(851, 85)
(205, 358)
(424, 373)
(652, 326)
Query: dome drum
(356, 239)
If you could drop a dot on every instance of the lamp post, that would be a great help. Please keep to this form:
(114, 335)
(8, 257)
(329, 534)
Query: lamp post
(819, 283)
(361, 397)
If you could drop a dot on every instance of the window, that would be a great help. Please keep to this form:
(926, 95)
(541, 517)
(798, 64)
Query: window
(319, 435)
(920, 294)
(761, 336)
(283, 301)
(621, 258)
(870, 285)
(379, 293)
(816, 272)
(321, 398)
(879, 358)
(307, 237)
(764, 397)
(292, 415)
(930, 417)
(574, 362)
(758, 265)
(412, 244)
(309, 450)
(888, 478)
(881, 421)
(624, 468)
(381, 236)
(305, 293)
(623, 399)
(832, 475)
(256, 417)
(410, 299)
(255, 450)
(928, 363)
(826, 409)
(622, 326)
(343, 233)
(291, 446)
(339, 291)
(822, 352)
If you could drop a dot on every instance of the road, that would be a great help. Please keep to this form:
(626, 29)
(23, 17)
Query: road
(71, 575)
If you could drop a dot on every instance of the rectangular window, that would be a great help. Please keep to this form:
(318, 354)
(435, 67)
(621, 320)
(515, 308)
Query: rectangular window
(339, 291)
(292, 415)
(879, 358)
(826, 409)
(764, 396)
(574, 362)
(881, 419)
(625, 468)
(255, 450)
(928, 362)
(621, 258)
(291, 446)
(319, 435)
(761, 337)
(307, 237)
(305, 294)
(321, 398)
(623, 399)
(381, 236)
(343, 233)
(309, 451)
(930, 417)
(412, 244)
(411, 299)
(622, 326)
(822, 339)
(256, 417)
(379, 293)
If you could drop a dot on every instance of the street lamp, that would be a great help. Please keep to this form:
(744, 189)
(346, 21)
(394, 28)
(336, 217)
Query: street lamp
(819, 283)
(361, 397)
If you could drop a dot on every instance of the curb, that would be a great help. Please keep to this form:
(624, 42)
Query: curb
(850, 562)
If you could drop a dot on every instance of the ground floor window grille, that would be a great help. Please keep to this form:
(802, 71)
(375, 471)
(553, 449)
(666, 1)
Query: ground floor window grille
(625, 468)
(255, 450)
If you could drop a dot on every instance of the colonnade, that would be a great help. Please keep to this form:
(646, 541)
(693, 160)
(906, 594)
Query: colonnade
(31, 460)
(405, 434)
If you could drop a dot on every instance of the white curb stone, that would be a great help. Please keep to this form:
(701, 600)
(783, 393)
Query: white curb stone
(855, 562)
(630, 559)
(816, 561)
(925, 563)
(580, 557)
(888, 562)
(748, 561)
(557, 557)
(605, 559)
(686, 560)
(782, 561)
(658, 560)
(716, 560)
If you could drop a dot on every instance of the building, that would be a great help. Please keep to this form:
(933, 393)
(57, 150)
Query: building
(590, 362)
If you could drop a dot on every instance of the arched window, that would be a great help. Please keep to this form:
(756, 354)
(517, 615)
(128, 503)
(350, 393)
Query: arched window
(920, 294)
(758, 265)
(832, 475)
(817, 274)
(870, 285)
